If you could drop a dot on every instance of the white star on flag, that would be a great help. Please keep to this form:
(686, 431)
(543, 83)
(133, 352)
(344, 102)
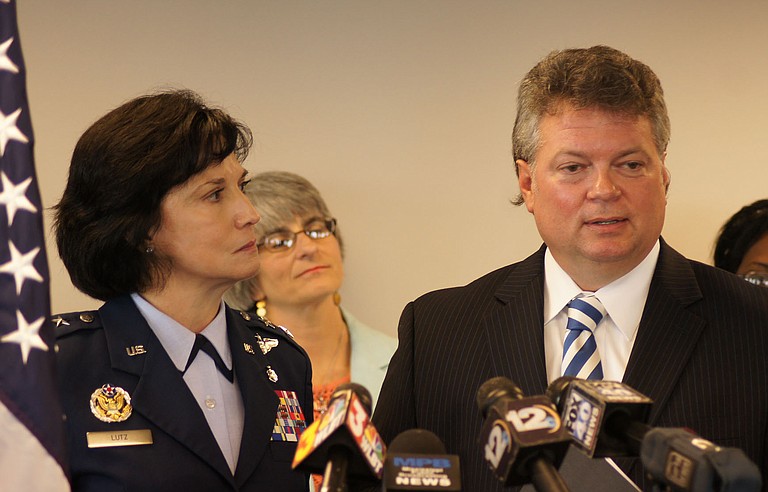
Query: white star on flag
(5, 62)
(26, 335)
(9, 130)
(15, 197)
(32, 435)
(21, 266)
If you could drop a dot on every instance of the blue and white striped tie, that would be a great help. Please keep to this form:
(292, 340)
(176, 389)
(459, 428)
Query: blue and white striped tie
(580, 356)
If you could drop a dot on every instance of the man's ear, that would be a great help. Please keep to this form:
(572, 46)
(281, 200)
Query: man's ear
(525, 181)
(667, 176)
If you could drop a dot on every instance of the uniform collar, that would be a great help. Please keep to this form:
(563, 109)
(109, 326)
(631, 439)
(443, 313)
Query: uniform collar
(177, 340)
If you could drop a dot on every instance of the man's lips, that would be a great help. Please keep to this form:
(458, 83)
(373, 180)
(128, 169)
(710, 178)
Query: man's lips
(608, 221)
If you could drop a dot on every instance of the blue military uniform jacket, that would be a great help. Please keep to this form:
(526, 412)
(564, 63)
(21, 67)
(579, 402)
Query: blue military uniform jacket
(115, 346)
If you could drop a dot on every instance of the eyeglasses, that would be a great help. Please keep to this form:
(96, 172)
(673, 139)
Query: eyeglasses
(757, 278)
(278, 241)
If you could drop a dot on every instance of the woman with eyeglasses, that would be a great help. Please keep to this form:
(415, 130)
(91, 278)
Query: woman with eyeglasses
(298, 286)
(742, 246)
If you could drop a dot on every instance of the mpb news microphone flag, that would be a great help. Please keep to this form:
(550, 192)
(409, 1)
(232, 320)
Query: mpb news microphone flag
(32, 437)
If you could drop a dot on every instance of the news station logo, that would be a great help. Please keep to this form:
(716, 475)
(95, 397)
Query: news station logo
(498, 444)
(615, 391)
(581, 419)
(423, 472)
(679, 469)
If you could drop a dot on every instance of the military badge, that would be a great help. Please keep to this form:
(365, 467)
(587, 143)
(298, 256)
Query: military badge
(267, 344)
(271, 374)
(290, 422)
(111, 404)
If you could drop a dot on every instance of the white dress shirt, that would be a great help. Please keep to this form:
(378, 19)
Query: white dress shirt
(624, 301)
(219, 399)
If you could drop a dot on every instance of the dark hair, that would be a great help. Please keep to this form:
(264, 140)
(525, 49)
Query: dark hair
(739, 234)
(599, 76)
(122, 168)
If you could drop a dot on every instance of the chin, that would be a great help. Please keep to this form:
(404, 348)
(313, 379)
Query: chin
(610, 253)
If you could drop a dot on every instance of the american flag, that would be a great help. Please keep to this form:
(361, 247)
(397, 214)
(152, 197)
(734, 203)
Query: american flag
(32, 453)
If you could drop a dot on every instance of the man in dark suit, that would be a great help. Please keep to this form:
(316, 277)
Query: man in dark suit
(590, 144)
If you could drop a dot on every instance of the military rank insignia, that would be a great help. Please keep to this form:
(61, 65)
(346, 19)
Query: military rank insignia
(111, 404)
(290, 422)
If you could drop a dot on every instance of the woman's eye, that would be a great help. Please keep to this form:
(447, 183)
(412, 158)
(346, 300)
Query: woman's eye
(244, 184)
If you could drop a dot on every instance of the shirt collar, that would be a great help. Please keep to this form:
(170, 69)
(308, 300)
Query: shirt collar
(623, 299)
(177, 340)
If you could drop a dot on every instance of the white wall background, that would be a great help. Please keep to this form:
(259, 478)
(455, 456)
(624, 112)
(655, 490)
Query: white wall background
(400, 111)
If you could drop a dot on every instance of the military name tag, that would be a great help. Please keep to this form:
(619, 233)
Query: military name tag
(119, 438)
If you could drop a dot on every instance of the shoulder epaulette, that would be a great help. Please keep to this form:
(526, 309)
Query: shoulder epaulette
(67, 323)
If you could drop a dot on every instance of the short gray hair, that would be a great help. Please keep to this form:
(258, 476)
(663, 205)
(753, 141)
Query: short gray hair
(279, 197)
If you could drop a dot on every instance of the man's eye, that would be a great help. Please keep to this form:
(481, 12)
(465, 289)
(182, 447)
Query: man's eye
(571, 168)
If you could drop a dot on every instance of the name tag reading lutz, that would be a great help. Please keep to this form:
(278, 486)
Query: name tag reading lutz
(119, 438)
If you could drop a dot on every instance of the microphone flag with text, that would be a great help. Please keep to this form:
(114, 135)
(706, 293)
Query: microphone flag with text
(342, 442)
(522, 438)
(679, 460)
(417, 460)
(604, 418)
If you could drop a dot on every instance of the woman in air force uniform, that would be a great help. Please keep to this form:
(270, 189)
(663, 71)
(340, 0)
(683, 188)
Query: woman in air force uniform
(164, 386)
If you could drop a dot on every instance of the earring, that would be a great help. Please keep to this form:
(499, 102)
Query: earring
(336, 298)
(261, 308)
(150, 250)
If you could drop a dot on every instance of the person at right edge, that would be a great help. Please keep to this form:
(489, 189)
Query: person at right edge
(742, 244)
(589, 143)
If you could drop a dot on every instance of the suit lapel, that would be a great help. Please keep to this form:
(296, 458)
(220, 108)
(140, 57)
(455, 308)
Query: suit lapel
(668, 331)
(515, 330)
(260, 402)
(161, 395)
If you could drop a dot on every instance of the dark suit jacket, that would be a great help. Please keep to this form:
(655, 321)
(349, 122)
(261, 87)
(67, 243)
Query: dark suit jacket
(701, 354)
(94, 349)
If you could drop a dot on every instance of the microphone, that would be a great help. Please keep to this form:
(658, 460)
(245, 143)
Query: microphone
(343, 442)
(417, 460)
(604, 418)
(682, 461)
(522, 437)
